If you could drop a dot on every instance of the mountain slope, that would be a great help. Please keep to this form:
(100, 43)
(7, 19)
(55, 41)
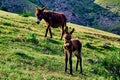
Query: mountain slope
(17, 6)
(100, 14)
(111, 5)
(114, 7)
(88, 12)
(26, 54)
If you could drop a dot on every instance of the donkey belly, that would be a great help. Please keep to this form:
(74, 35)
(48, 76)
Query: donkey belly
(56, 25)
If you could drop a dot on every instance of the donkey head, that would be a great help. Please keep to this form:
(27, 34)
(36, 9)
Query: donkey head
(67, 38)
(39, 14)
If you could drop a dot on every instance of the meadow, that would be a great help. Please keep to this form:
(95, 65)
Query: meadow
(25, 54)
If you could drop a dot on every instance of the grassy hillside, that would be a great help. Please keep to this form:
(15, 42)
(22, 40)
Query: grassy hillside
(26, 55)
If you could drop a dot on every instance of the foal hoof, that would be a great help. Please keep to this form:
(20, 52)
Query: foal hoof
(71, 74)
(80, 72)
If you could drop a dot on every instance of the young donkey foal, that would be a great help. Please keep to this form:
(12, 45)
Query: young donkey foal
(71, 45)
(53, 19)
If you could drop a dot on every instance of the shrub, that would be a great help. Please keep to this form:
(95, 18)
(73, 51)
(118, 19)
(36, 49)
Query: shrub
(4, 8)
(109, 46)
(90, 46)
(26, 14)
(33, 38)
(106, 45)
(7, 24)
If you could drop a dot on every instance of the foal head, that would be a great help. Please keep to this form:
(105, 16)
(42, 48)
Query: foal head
(68, 35)
(39, 14)
(67, 38)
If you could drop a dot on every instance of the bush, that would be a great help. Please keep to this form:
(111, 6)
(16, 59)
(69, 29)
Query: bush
(109, 46)
(4, 8)
(33, 38)
(90, 46)
(26, 14)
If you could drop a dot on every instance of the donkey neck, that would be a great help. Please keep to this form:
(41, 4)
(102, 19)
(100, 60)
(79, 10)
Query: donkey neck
(46, 15)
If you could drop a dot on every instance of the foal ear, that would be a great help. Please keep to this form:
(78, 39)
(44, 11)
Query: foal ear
(44, 8)
(72, 31)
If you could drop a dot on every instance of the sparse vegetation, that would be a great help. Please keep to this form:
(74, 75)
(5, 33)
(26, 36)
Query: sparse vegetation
(25, 54)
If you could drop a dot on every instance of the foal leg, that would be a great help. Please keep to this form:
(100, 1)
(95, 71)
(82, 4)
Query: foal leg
(78, 59)
(70, 61)
(80, 64)
(66, 60)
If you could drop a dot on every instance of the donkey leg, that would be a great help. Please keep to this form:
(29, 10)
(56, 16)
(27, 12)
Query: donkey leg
(62, 33)
(70, 61)
(66, 61)
(46, 31)
(50, 32)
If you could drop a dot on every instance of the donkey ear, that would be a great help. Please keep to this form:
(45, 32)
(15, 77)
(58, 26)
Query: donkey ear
(72, 31)
(66, 29)
(44, 8)
(37, 8)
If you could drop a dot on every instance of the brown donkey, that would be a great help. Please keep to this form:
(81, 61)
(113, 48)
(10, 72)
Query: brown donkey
(71, 45)
(53, 19)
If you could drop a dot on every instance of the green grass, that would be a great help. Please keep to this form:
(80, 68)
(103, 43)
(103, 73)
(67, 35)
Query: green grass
(25, 54)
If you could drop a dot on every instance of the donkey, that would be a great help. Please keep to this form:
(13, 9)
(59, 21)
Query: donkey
(53, 19)
(71, 45)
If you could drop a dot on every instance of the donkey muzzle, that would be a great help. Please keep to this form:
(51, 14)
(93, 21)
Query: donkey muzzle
(66, 46)
(38, 21)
